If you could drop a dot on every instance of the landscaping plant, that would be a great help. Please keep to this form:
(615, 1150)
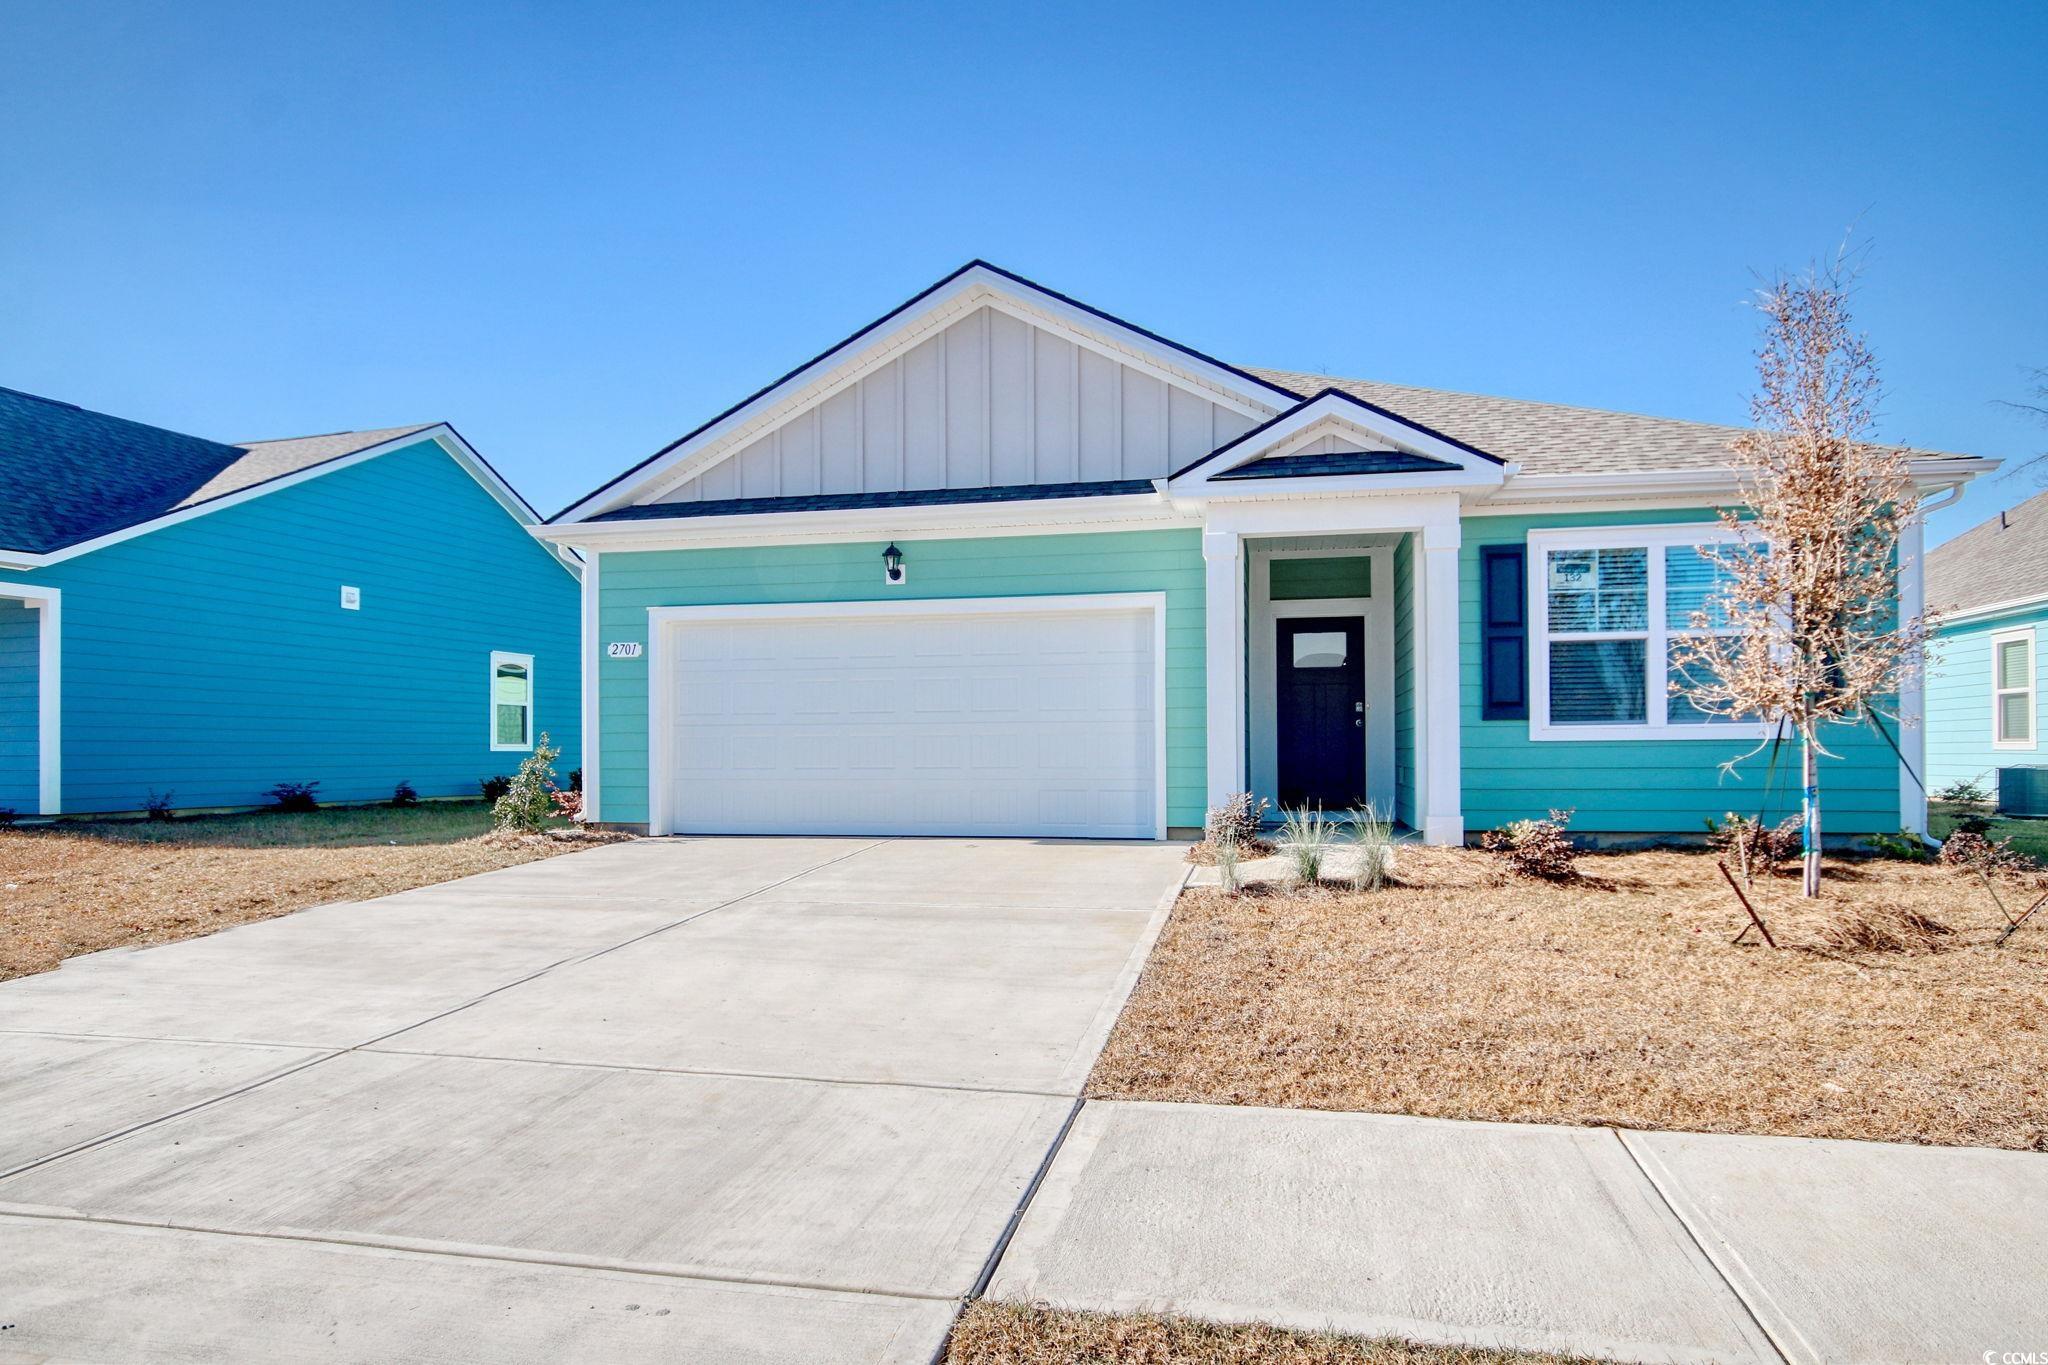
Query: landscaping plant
(1540, 849)
(1966, 791)
(158, 805)
(1237, 820)
(1972, 851)
(527, 802)
(1372, 834)
(295, 796)
(1228, 853)
(403, 794)
(1306, 836)
(1804, 631)
(1905, 847)
(1757, 847)
(494, 788)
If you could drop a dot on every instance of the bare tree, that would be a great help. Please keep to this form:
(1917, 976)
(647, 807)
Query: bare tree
(2034, 405)
(1804, 631)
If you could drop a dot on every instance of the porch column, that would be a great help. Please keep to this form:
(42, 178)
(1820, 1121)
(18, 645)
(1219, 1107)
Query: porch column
(1440, 804)
(1223, 558)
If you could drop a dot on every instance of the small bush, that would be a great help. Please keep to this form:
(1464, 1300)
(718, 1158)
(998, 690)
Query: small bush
(1373, 836)
(1905, 847)
(1975, 853)
(8, 815)
(568, 803)
(1237, 819)
(1757, 847)
(1540, 849)
(1306, 837)
(1969, 791)
(404, 795)
(295, 796)
(526, 804)
(158, 805)
(494, 788)
(1973, 823)
(575, 779)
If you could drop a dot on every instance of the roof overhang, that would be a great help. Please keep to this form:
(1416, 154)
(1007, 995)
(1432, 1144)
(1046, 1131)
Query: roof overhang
(1334, 412)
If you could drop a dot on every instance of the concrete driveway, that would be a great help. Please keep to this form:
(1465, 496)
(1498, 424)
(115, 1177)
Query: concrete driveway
(715, 1099)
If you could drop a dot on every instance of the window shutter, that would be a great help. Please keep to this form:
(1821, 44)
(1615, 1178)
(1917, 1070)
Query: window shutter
(1503, 633)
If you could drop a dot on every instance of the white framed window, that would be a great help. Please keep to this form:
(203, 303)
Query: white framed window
(2012, 689)
(511, 701)
(1607, 608)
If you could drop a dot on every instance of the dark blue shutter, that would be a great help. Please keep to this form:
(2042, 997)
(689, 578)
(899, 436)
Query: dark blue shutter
(1503, 633)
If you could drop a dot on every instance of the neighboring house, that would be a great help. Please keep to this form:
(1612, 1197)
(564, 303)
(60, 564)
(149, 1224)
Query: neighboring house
(205, 621)
(1001, 563)
(1984, 679)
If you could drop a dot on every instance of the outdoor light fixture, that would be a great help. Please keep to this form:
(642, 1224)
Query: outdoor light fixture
(892, 565)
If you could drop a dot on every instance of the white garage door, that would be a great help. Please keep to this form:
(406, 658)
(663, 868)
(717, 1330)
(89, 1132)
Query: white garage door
(984, 721)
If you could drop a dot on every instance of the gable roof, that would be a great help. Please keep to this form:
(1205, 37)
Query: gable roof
(1546, 438)
(70, 476)
(2003, 560)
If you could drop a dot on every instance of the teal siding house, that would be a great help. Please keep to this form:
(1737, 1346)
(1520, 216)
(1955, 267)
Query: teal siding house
(1001, 563)
(201, 621)
(1984, 679)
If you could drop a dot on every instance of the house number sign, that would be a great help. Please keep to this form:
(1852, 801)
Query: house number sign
(622, 649)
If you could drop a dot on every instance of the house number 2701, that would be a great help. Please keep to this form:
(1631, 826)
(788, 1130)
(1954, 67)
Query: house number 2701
(622, 649)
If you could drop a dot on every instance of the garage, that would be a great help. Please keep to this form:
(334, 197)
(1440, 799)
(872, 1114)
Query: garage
(1033, 716)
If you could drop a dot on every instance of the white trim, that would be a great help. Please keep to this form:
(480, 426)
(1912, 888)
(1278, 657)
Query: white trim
(1656, 633)
(590, 628)
(1658, 485)
(440, 433)
(499, 659)
(1333, 413)
(2032, 691)
(1913, 692)
(48, 603)
(1224, 666)
(1440, 705)
(661, 663)
(1984, 613)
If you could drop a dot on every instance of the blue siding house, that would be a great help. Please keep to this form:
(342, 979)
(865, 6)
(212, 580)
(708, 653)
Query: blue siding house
(204, 621)
(1984, 680)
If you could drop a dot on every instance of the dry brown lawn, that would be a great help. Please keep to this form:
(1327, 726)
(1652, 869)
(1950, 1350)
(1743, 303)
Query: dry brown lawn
(1011, 1334)
(80, 887)
(1617, 1000)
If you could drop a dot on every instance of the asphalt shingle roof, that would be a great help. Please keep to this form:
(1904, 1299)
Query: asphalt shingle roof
(1544, 438)
(68, 474)
(1337, 462)
(2002, 560)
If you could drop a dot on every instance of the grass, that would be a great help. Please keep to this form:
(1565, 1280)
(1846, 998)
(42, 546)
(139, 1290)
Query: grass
(79, 887)
(1013, 1334)
(1618, 999)
(2028, 836)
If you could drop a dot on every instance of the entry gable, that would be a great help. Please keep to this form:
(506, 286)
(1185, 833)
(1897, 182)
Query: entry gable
(984, 380)
(1335, 442)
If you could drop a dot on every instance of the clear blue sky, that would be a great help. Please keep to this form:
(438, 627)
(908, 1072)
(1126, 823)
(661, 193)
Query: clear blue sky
(577, 230)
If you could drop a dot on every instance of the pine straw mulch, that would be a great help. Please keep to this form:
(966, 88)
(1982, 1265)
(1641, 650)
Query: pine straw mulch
(77, 888)
(1013, 1334)
(1617, 999)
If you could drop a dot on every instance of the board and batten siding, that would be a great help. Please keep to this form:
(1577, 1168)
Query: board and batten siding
(989, 401)
(212, 659)
(20, 770)
(1959, 746)
(1641, 786)
(630, 582)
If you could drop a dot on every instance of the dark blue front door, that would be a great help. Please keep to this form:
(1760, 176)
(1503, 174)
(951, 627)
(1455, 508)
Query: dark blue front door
(1320, 710)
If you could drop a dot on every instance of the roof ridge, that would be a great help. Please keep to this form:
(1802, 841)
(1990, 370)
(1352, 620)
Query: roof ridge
(1498, 398)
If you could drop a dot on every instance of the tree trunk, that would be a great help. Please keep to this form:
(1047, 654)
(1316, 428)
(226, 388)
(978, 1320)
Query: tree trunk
(1810, 818)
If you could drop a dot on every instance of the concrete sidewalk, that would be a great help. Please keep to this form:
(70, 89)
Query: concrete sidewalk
(1635, 1246)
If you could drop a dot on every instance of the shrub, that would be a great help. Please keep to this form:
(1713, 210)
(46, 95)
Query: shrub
(404, 795)
(575, 779)
(1905, 846)
(1757, 847)
(295, 796)
(526, 804)
(1968, 791)
(1976, 853)
(568, 803)
(158, 805)
(1373, 836)
(1306, 836)
(8, 815)
(1973, 823)
(494, 788)
(1237, 820)
(1535, 848)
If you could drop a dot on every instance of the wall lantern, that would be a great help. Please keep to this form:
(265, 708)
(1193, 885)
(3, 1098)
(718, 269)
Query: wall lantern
(892, 565)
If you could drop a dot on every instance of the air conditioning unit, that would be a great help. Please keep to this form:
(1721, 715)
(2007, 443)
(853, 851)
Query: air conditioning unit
(2023, 791)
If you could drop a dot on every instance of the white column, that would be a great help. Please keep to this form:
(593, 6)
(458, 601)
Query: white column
(1438, 710)
(1223, 556)
(593, 664)
(1913, 694)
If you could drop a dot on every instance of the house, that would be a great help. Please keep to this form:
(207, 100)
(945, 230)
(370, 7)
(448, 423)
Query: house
(199, 621)
(1984, 677)
(1001, 563)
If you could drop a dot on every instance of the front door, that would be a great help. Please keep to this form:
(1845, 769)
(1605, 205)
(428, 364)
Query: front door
(1320, 711)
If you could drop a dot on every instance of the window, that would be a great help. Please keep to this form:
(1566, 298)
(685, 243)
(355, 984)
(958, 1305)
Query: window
(2012, 689)
(1319, 649)
(1607, 610)
(511, 701)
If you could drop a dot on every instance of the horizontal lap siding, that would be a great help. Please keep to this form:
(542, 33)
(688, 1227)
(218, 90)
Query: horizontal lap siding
(1641, 786)
(1959, 703)
(20, 771)
(212, 659)
(1011, 566)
